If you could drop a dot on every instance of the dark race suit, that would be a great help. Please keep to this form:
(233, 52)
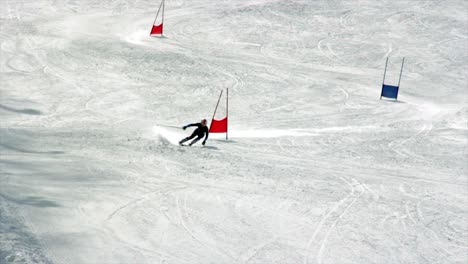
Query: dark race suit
(199, 132)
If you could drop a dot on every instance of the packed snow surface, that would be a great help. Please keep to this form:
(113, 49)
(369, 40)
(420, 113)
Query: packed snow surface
(316, 168)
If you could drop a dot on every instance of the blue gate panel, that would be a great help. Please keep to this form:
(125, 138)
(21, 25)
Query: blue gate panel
(389, 91)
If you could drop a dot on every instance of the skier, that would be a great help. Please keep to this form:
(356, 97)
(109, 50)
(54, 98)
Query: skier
(202, 130)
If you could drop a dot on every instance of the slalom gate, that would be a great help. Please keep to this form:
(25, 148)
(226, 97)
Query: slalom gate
(157, 28)
(220, 126)
(391, 91)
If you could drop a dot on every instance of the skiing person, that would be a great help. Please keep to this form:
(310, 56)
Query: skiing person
(202, 130)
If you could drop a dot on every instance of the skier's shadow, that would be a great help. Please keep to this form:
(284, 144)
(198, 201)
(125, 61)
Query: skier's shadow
(211, 147)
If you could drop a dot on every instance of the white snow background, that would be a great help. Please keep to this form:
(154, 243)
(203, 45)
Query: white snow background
(317, 169)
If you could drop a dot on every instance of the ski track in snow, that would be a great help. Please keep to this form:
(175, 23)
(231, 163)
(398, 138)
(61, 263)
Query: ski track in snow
(316, 168)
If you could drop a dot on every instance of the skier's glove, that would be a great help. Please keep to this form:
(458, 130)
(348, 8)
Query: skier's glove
(203, 143)
(184, 127)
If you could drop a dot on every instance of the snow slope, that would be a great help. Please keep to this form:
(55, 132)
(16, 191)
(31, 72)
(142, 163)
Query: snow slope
(317, 169)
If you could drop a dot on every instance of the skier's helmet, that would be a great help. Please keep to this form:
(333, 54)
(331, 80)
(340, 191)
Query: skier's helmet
(203, 122)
